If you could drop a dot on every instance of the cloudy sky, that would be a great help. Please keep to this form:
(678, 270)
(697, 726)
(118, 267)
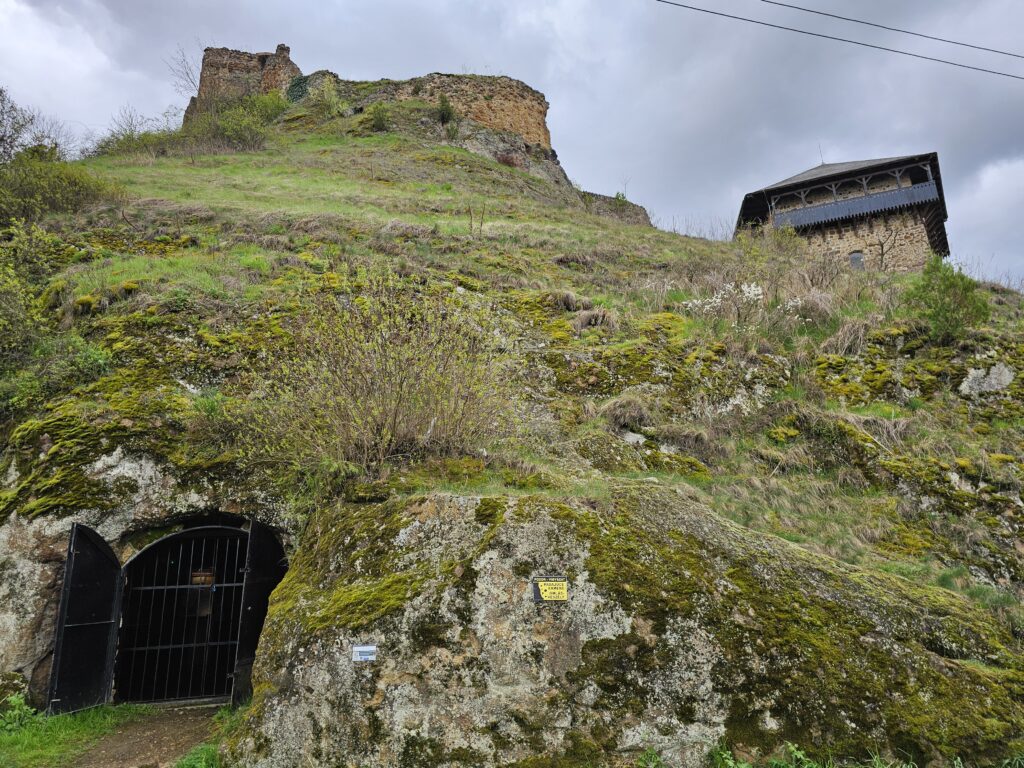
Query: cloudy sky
(684, 112)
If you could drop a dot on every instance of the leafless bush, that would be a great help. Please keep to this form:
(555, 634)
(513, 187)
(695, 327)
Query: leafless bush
(850, 338)
(628, 411)
(185, 68)
(888, 433)
(817, 306)
(386, 377)
(510, 159)
(567, 301)
(574, 258)
(399, 228)
(50, 132)
(823, 272)
(599, 317)
(15, 124)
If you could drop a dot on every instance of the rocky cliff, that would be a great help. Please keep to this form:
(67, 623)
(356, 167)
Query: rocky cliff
(681, 630)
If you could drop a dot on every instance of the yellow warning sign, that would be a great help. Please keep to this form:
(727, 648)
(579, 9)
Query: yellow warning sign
(550, 589)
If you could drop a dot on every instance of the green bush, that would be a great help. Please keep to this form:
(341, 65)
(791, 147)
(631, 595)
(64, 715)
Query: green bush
(323, 100)
(947, 300)
(18, 323)
(380, 117)
(31, 188)
(445, 110)
(203, 756)
(33, 253)
(15, 713)
(50, 365)
(650, 759)
(241, 129)
(298, 88)
(266, 107)
(235, 125)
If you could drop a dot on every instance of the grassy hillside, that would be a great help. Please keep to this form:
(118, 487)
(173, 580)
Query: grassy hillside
(790, 397)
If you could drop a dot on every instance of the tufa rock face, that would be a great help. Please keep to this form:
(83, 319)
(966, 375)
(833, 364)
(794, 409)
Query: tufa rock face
(681, 630)
(230, 74)
(500, 103)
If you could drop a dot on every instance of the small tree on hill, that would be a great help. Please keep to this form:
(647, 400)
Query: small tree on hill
(947, 299)
(380, 117)
(15, 125)
(445, 110)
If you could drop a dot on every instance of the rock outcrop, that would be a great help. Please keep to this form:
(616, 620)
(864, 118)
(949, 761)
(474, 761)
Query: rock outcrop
(680, 630)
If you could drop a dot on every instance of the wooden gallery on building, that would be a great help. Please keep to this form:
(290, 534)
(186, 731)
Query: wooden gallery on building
(885, 214)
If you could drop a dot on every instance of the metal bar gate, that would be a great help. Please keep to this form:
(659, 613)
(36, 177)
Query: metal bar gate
(180, 622)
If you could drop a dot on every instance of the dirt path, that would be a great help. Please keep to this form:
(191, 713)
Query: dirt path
(154, 741)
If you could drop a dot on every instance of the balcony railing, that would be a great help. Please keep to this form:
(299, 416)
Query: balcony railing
(852, 207)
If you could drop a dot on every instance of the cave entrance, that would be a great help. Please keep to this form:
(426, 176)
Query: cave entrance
(178, 622)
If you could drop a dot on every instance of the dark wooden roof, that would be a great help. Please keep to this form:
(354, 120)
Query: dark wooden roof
(830, 171)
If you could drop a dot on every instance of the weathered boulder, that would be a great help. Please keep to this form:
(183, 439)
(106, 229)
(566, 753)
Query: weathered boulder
(979, 380)
(681, 629)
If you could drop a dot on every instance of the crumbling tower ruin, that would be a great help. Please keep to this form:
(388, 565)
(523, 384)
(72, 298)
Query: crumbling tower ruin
(230, 74)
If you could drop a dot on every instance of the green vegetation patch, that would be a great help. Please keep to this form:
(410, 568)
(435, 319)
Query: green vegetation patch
(46, 742)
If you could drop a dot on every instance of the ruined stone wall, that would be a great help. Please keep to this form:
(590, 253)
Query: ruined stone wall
(903, 234)
(499, 103)
(229, 74)
(616, 208)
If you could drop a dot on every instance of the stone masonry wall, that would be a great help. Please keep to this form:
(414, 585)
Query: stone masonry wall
(903, 235)
(616, 208)
(499, 103)
(229, 74)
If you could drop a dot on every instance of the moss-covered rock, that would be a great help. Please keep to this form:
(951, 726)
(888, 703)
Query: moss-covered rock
(680, 630)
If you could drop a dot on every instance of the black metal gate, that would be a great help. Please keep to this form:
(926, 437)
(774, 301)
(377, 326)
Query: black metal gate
(265, 566)
(181, 607)
(86, 624)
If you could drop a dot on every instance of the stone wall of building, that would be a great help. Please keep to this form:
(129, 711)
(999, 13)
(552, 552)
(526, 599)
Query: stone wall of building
(229, 74)
(896, 242)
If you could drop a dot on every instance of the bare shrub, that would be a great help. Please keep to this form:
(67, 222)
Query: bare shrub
(691, 439)
(628, 411)
(850, 338)
(510, 159)
(404, 229)
(574, 259)
(15, 124)
(817, 306)
(567, 301)
(388, 376)
(599, 317)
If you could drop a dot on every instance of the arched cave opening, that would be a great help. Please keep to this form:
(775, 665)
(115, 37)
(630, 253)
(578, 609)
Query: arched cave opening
(179, 621)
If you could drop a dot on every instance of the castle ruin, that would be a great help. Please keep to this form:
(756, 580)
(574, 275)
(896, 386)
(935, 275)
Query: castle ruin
(228, 74)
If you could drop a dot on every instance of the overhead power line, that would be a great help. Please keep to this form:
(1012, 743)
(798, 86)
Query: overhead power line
(894, 29)
(840, 39)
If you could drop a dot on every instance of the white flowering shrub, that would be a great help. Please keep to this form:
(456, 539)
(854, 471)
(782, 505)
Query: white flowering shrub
(747, 310)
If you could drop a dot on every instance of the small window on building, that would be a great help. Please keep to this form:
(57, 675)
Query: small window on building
(857, 260)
